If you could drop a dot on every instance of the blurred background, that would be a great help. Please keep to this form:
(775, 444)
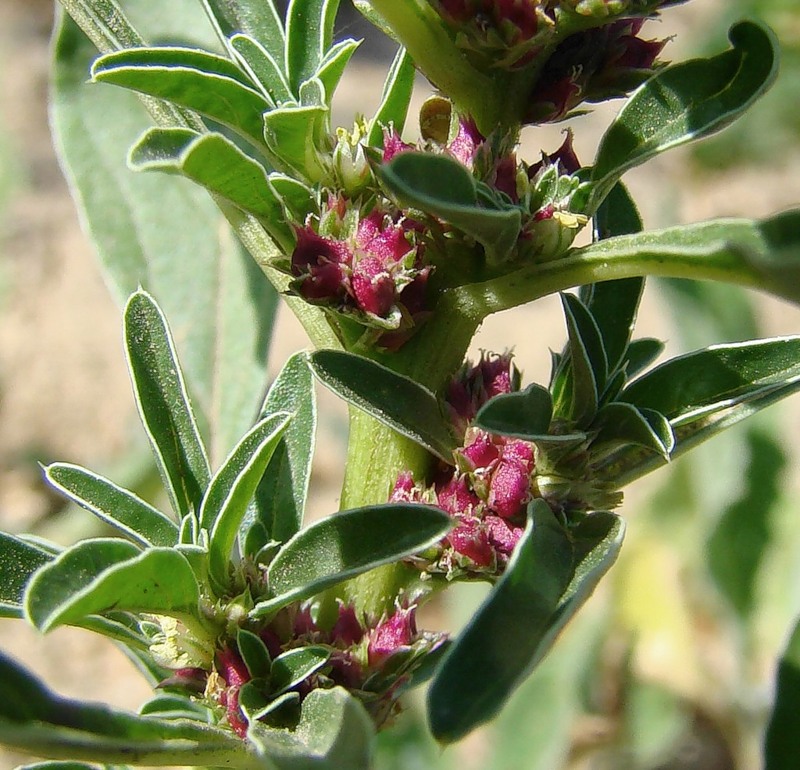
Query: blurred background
(670, 665)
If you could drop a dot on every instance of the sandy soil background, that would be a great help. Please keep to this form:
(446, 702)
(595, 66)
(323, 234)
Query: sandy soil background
(64, 392)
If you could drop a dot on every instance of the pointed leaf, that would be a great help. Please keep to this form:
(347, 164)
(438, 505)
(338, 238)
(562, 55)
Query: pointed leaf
(309, 32)
(393, 399)
(172, 75)
(591, 339)
(114, 505)
(262, 67)
(641, 353)
(19, 559)
(254, 654)
(97, 576)
(292, 667)
(35, 720)
(577, 399)
(281, 495)
(620, 423)
(685, 102)
(173, 706)
(525, 414)
(164, 403)
(493, 654)
(292, 135)
(395, 99)
(333, 66)
(254, 18)
(782, 743)
(232, 488)
(443, 187)
(346, 544)
(220, 166)
(717, 377)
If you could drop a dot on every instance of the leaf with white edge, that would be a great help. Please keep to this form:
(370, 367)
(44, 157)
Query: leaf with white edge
(19, 559)
(641, 353)
(147, 243)
(298, 199)
(395, 99)
(620, 423)
(262, 68)
(173, 706)
(525, 414)
(281, 495)
(332, 67)
(293, 135)
(254, 654)
(575, 392)
(717, 377)
(113, 504)
(391, 398)
(782, 741)
(164, 403)
(37, 721)
(444, 188)
(347, 544)
(591, 338)
(293, 666)
(177, 77)
(309, 34)
(494, 653)
(254, 18)
(98, 576)
(66, 765)
(221, 167)
(334, 732)
(232, 489)
(687, 101)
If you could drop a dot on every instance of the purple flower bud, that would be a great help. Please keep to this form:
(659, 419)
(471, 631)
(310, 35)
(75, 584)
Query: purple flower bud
(393, 145)
(345, 670)
(373, 286)
(192, 679)
(456, 497)
(405, 490)
(392, 635)
(466, 142)
(481, 452)
(231, 668)
(469, 539)
(229, 700)
(510, 484)
(502, 536)
(564, 156)
(347, 630)
(321, 266)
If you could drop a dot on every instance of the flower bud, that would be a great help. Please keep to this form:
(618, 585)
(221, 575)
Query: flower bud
(392, 635)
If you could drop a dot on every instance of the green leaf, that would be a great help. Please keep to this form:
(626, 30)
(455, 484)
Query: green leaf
(113, 504)
(685, 102)
(231, 490)
(59, 766)
(738, 543)
(525, 414)
(393, 399)
(281, 495)
(334, 732)
(35, 720)
(782, 742)
(346, 544)
(620, 423)
(293, 135)
(254, 654)
(493, 654)
(262, 68)
(309, 33)
(221, 167)
(19, 559)
(164, 403)
(333, 66)
(100, 575)
(395, 99)
(257, 19)
(180, 76)
(173, 706)
(641, 353)
(690, 386)
(444, 188)
(224, 340)
(292, 667)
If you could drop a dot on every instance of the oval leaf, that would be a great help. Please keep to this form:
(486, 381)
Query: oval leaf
(685, 102)
(114, 505)
(96, 576)
(525, 414)
(292, 667)
(164, 403)
(347, 544)
(393, 399)
(19, 559)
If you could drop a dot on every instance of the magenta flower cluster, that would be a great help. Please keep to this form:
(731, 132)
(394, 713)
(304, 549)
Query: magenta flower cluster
(489, 485)
(373, 660)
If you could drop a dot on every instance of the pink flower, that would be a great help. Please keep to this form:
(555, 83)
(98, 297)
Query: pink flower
(481, 452)
(469, 539)
(347, 630)
(456, 497)
(502, 536)
(391, 635)
(510, 484)
(234, 673)
(393, 145)
(466, 142)
(321, 266)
